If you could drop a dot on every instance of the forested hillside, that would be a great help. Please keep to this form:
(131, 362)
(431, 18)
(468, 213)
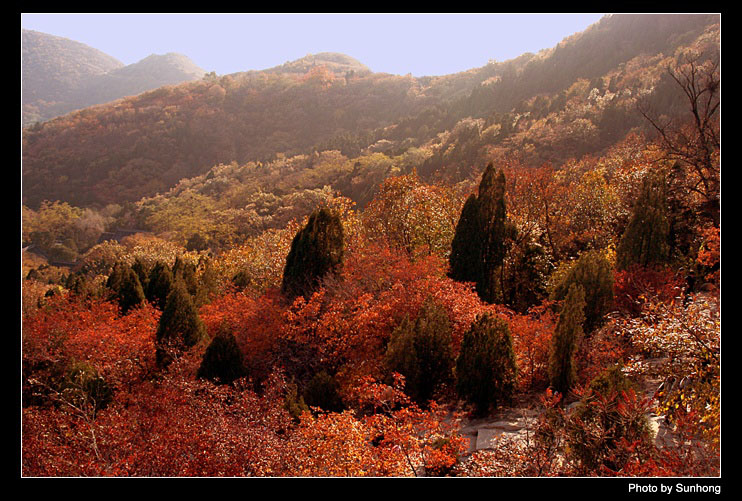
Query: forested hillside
(548, 107)
(317, 270)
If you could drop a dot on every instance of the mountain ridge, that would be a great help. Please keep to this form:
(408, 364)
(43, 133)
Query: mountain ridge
(60, 75)
(140, 146)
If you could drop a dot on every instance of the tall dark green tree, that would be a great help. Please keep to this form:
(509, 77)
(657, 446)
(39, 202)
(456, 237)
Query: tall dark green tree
(593, 272)
(180, 326)
(485, 368)
(116, 276)
(479, 244)
(140, 268)
(130, 293)
(645, 242)
(185, 270)
(465, 260)
(316, 251)
(127, 289)
(222, 361)
(421, 352)
(566, 340)
(159, 284)
(207, 281)
(526, 273)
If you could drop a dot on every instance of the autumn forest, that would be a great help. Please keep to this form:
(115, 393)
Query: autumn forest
(317, 270)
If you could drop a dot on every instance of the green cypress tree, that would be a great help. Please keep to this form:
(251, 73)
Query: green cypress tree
(185, 270)
(529, 277)
(316, 251)
(222, 361)
(486, 369)
(594, 273)
(479, 244)
(465, 259)
(421, 352)
(78, 284)
(159, 284)
(207, 281)
(645, 242)
(495, 229)
(130, 293)
(125, 286)
(566, 340)
(116, 277)
(140, 268)
(180, 326)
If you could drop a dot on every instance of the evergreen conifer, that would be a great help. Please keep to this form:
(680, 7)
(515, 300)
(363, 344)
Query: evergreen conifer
(185, 270)
(125, 286)
(466, 248)
(421, 352)
(130, 293)
(140, 268)
(207, 281)
(593, 272)
(486, 369)
(222, 361)
(566, 339)
(316, 251)
(479, 244)
(116, 276)
(241, 279)
(159, 284)
(322, 391)
(180, 326)
(645, 242)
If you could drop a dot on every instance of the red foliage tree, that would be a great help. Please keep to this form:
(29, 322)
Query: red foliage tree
(633, 287)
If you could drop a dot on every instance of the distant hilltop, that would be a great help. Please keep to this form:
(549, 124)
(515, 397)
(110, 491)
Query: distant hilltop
(333, 61)
(60, 75)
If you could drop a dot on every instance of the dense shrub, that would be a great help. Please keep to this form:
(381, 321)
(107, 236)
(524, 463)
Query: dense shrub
(82, 386)
(180, 326)
(222, 360)
(636, 285)
(323, 391)
(486, 369)
(593, 272)
(420, 350)
(566, 341)
(604, 421)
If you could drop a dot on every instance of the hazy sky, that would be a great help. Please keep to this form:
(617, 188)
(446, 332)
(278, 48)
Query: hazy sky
(421, 44)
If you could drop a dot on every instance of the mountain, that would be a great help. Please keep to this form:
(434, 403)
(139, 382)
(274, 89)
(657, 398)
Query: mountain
(150, 73)
(53, 69)
(61, 75)
(335, 62)
(141, 145)
(577, 98)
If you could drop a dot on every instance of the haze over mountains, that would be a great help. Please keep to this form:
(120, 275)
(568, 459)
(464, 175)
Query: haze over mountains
(61, 75)
(574, 99)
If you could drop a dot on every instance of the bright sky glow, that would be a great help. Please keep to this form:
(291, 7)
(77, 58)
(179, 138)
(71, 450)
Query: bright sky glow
(420, 44)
